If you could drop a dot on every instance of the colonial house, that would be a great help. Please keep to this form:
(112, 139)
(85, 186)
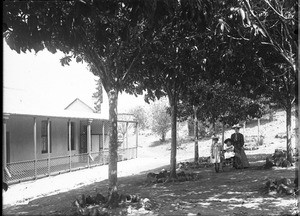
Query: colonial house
(42, 143)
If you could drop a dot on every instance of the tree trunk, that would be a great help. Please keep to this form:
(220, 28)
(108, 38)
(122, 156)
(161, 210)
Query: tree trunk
(163, 137)
(297, 126)
(191, 131)
(173, 104)
(289, 132)
(214, 127)
(196, 135)
(223, 132)
(258, 131)
(113, 149)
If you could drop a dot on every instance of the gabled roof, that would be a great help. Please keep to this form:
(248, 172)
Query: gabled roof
(78, 102)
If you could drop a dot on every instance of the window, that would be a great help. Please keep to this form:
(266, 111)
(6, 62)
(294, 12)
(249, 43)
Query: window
(72, 136)
(45, 137)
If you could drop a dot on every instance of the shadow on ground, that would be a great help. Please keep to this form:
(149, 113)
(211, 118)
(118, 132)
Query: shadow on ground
(233, 192)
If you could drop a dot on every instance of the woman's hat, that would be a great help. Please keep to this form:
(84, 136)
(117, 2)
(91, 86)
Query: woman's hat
(236, 126)
(227, 140)
(214, 137)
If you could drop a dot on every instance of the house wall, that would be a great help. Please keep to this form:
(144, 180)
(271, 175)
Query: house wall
(22, 137)
(97, 135)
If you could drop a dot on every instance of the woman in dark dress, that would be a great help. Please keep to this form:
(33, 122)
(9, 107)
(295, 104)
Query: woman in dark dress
(240, 159)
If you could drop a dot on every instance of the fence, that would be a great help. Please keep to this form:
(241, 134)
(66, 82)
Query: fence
(31, 169)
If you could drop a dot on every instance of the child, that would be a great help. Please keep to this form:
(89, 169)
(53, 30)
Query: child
(216, 153)
(228, 152)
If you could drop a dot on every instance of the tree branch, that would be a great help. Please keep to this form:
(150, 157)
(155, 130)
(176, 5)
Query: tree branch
(273, 43)
(132, 62)
(279, 14)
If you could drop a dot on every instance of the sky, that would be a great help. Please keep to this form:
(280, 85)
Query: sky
(39, 80)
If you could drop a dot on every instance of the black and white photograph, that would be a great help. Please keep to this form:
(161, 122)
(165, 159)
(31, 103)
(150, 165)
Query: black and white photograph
(150, 107)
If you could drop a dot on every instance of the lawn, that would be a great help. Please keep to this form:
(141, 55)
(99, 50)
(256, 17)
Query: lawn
(232, 192)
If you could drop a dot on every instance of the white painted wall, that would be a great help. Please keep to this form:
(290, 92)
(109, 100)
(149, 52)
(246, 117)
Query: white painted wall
(22, 141)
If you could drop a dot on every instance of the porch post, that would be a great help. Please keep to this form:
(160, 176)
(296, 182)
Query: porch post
(126, 135)
(137, 139)
(34, 144)
(103, 140)
(5, 118)
(89, 140)
(48, 143)
(69, 144)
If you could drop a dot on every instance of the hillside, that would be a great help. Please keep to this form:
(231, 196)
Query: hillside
(150, 146)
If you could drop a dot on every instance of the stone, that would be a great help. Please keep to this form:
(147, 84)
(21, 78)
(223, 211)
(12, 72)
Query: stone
(283, 189)
(269, 163)
(151, 177)
(278, 161)
(146, 204)
(268, 184)
(90, 200)
(279, 153)
(285, 163)
(122, 198)
(285, 181)
(100, 198)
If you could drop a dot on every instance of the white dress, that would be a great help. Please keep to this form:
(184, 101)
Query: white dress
(216, 151)
(229, 153)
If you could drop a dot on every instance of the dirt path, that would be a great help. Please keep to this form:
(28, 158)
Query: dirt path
(233, 192)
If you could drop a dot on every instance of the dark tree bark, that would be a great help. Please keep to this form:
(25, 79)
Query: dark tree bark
(289, 132)
(289, 103)
(113, 149)
(163, 137)
(196, 135)
(173, 137)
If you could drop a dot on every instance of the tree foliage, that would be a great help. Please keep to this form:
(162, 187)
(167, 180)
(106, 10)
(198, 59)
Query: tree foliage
(140, 115)
(98, 96)
(160, 118)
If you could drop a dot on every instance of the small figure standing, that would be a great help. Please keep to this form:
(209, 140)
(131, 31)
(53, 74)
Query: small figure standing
(240, 161)
(216, 153)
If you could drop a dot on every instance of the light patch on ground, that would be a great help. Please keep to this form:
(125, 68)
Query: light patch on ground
(204, 203)
(252, 205)
(170, 194)
(285, 202)
(211, 199)
(284, 168)
(196, 193)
